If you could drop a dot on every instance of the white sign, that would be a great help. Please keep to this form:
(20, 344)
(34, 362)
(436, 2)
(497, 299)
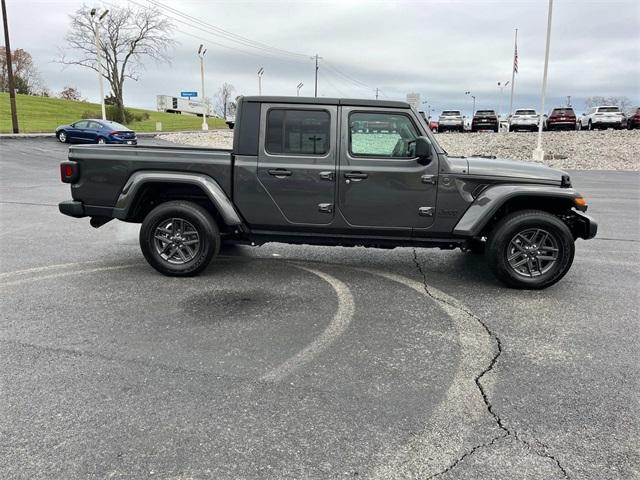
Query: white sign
(413, 99)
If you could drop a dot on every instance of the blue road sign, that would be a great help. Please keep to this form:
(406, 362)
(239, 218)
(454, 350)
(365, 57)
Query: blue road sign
(188, 94)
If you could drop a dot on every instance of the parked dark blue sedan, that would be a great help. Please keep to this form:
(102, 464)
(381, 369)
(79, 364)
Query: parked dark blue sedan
(96, 131)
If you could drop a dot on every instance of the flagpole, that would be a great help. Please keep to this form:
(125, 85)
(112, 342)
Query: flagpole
(538, 153)
(513, 72)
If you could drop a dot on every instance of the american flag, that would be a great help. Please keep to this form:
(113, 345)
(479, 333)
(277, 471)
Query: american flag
(515, 59)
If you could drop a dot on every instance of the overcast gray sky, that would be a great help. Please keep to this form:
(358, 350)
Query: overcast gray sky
(437, 48)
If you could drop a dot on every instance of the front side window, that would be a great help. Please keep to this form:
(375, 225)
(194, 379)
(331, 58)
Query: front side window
(298, 132)
(381, 135)
(81, 124)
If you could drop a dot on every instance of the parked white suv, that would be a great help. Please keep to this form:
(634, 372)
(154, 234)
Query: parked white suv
(525, 119)
(451, 120)
(606, 116)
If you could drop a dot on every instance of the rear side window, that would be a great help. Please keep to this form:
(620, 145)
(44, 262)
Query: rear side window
(297, 132)
(381, 135)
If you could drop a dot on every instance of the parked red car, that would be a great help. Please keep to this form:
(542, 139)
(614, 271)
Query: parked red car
(561, 118)
(633, 118)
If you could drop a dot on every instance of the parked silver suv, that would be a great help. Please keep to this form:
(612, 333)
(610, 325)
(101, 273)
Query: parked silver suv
(451, 120)
(525, 119)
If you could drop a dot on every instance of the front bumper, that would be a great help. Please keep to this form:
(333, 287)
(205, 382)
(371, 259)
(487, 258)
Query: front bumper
(584, 226)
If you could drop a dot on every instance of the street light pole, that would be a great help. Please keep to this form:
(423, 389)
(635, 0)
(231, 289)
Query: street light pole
(201, 52)
(98, 58)
(298, 87)
(473, 112)
(501, 86)
(538, 153)
(12, 85)
(260, 72)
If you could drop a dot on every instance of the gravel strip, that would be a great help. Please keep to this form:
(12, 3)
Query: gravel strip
(583, 150)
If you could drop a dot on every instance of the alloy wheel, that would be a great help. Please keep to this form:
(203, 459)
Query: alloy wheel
(176, 240)
(532, 252)
(62, 137)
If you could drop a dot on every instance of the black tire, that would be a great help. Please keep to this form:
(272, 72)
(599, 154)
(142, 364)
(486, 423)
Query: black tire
(590, 126)
(205, 226)
(508, 229)
(461, 129)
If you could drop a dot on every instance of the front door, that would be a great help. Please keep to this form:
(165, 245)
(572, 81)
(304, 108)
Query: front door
(381, 184)
(297, 162)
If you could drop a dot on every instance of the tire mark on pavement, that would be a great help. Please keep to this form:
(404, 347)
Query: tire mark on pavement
(439, 443)
(338, 325)
(65, 274)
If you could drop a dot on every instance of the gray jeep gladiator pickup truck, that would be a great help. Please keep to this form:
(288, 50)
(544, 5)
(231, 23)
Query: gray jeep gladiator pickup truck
(331, 172)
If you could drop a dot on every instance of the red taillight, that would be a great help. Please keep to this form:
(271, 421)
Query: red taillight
(68, 172)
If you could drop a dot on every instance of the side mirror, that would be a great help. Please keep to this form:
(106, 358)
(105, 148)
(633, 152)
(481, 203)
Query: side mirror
(423, 151)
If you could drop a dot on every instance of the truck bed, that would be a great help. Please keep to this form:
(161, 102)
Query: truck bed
(104, 169)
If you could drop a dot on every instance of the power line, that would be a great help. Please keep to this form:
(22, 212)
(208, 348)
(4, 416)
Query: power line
(230, 36)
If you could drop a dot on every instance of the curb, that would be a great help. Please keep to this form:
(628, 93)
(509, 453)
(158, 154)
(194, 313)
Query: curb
(139, 134)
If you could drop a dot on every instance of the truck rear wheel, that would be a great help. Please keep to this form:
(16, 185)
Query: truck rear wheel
(179, 238)
(530, 249)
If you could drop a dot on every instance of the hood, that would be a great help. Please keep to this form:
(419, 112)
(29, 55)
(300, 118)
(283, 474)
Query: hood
(516, 169)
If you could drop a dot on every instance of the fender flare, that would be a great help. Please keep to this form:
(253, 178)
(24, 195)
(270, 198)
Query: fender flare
(490, 200)
(208, 185)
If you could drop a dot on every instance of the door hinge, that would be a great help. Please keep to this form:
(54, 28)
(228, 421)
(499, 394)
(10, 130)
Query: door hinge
(327, 175)
(425, 211)
(431, 179)
(325, 207)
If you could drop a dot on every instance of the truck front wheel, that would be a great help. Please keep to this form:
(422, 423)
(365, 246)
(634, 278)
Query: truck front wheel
(530, 249)
(179, 238)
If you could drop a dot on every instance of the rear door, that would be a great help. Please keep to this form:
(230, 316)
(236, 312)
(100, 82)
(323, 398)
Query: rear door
(381, 184)
(77, 133)
(297, 161)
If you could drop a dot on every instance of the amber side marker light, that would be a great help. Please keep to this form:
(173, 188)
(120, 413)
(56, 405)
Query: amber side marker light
(580, 203)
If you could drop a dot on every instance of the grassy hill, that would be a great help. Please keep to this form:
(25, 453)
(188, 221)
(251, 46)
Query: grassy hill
(42, 114)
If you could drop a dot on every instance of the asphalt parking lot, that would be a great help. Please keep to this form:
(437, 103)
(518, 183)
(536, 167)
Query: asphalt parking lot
(309, 362)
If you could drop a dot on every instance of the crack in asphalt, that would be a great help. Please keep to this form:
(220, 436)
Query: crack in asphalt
(507, 432)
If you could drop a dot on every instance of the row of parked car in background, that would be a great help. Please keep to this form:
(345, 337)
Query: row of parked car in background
(527, 119)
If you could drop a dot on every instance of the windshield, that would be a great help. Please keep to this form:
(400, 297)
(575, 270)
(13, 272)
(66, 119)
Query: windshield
(608, 109)
(525, 112)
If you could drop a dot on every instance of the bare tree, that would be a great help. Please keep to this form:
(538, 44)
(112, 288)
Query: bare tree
(71, 93)
(623, 102)
(222, 99)
(28, 79)
(128, 36)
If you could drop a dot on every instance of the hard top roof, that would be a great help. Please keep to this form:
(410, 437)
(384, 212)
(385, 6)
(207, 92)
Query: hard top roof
(355, 102)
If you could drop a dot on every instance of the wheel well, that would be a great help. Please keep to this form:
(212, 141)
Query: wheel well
(153, 194)
(554, 205)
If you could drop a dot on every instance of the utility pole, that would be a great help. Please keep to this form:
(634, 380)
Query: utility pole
(201, 52)
(298, 87)
(12, 84)
(377, 91)
(316, 57)
(569, 101)
(260, 72)
(538, 153)
(98, 59)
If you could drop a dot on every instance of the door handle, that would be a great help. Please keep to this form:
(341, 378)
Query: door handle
(356, 176)
(280, 172)
(328, 175)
